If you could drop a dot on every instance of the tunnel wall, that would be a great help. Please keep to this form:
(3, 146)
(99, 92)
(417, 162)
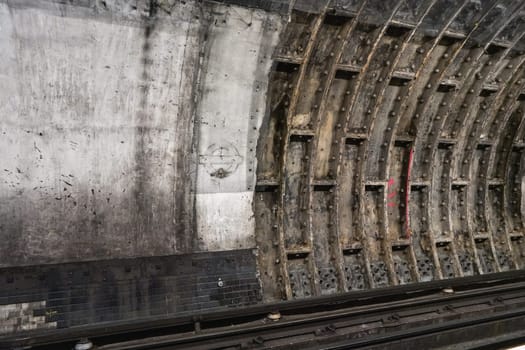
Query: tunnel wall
(392, 151)
(267, 150)
(129, 130)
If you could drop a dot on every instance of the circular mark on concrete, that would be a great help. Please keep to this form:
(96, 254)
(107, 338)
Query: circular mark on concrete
(221, 160)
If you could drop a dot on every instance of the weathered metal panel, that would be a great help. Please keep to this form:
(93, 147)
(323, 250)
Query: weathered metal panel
(417, 154)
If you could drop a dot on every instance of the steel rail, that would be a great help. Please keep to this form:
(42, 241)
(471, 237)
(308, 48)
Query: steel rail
(385, 300)
(312, 326)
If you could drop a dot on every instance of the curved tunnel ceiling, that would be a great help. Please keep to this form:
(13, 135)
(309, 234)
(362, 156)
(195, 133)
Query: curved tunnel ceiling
(392, 150)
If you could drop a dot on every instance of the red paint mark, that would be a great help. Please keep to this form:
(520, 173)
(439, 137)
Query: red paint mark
(407, 193)
(392, 194)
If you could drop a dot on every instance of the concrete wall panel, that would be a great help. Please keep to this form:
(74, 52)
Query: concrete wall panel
(233, 86)
(97, 109)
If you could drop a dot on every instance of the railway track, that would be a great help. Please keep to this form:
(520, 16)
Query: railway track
(475, 314)
(358, 328)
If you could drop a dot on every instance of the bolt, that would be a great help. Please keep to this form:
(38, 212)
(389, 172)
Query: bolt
(83, 344)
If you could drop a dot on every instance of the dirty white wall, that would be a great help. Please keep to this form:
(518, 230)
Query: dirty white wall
(126, 131)
(229, 116)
